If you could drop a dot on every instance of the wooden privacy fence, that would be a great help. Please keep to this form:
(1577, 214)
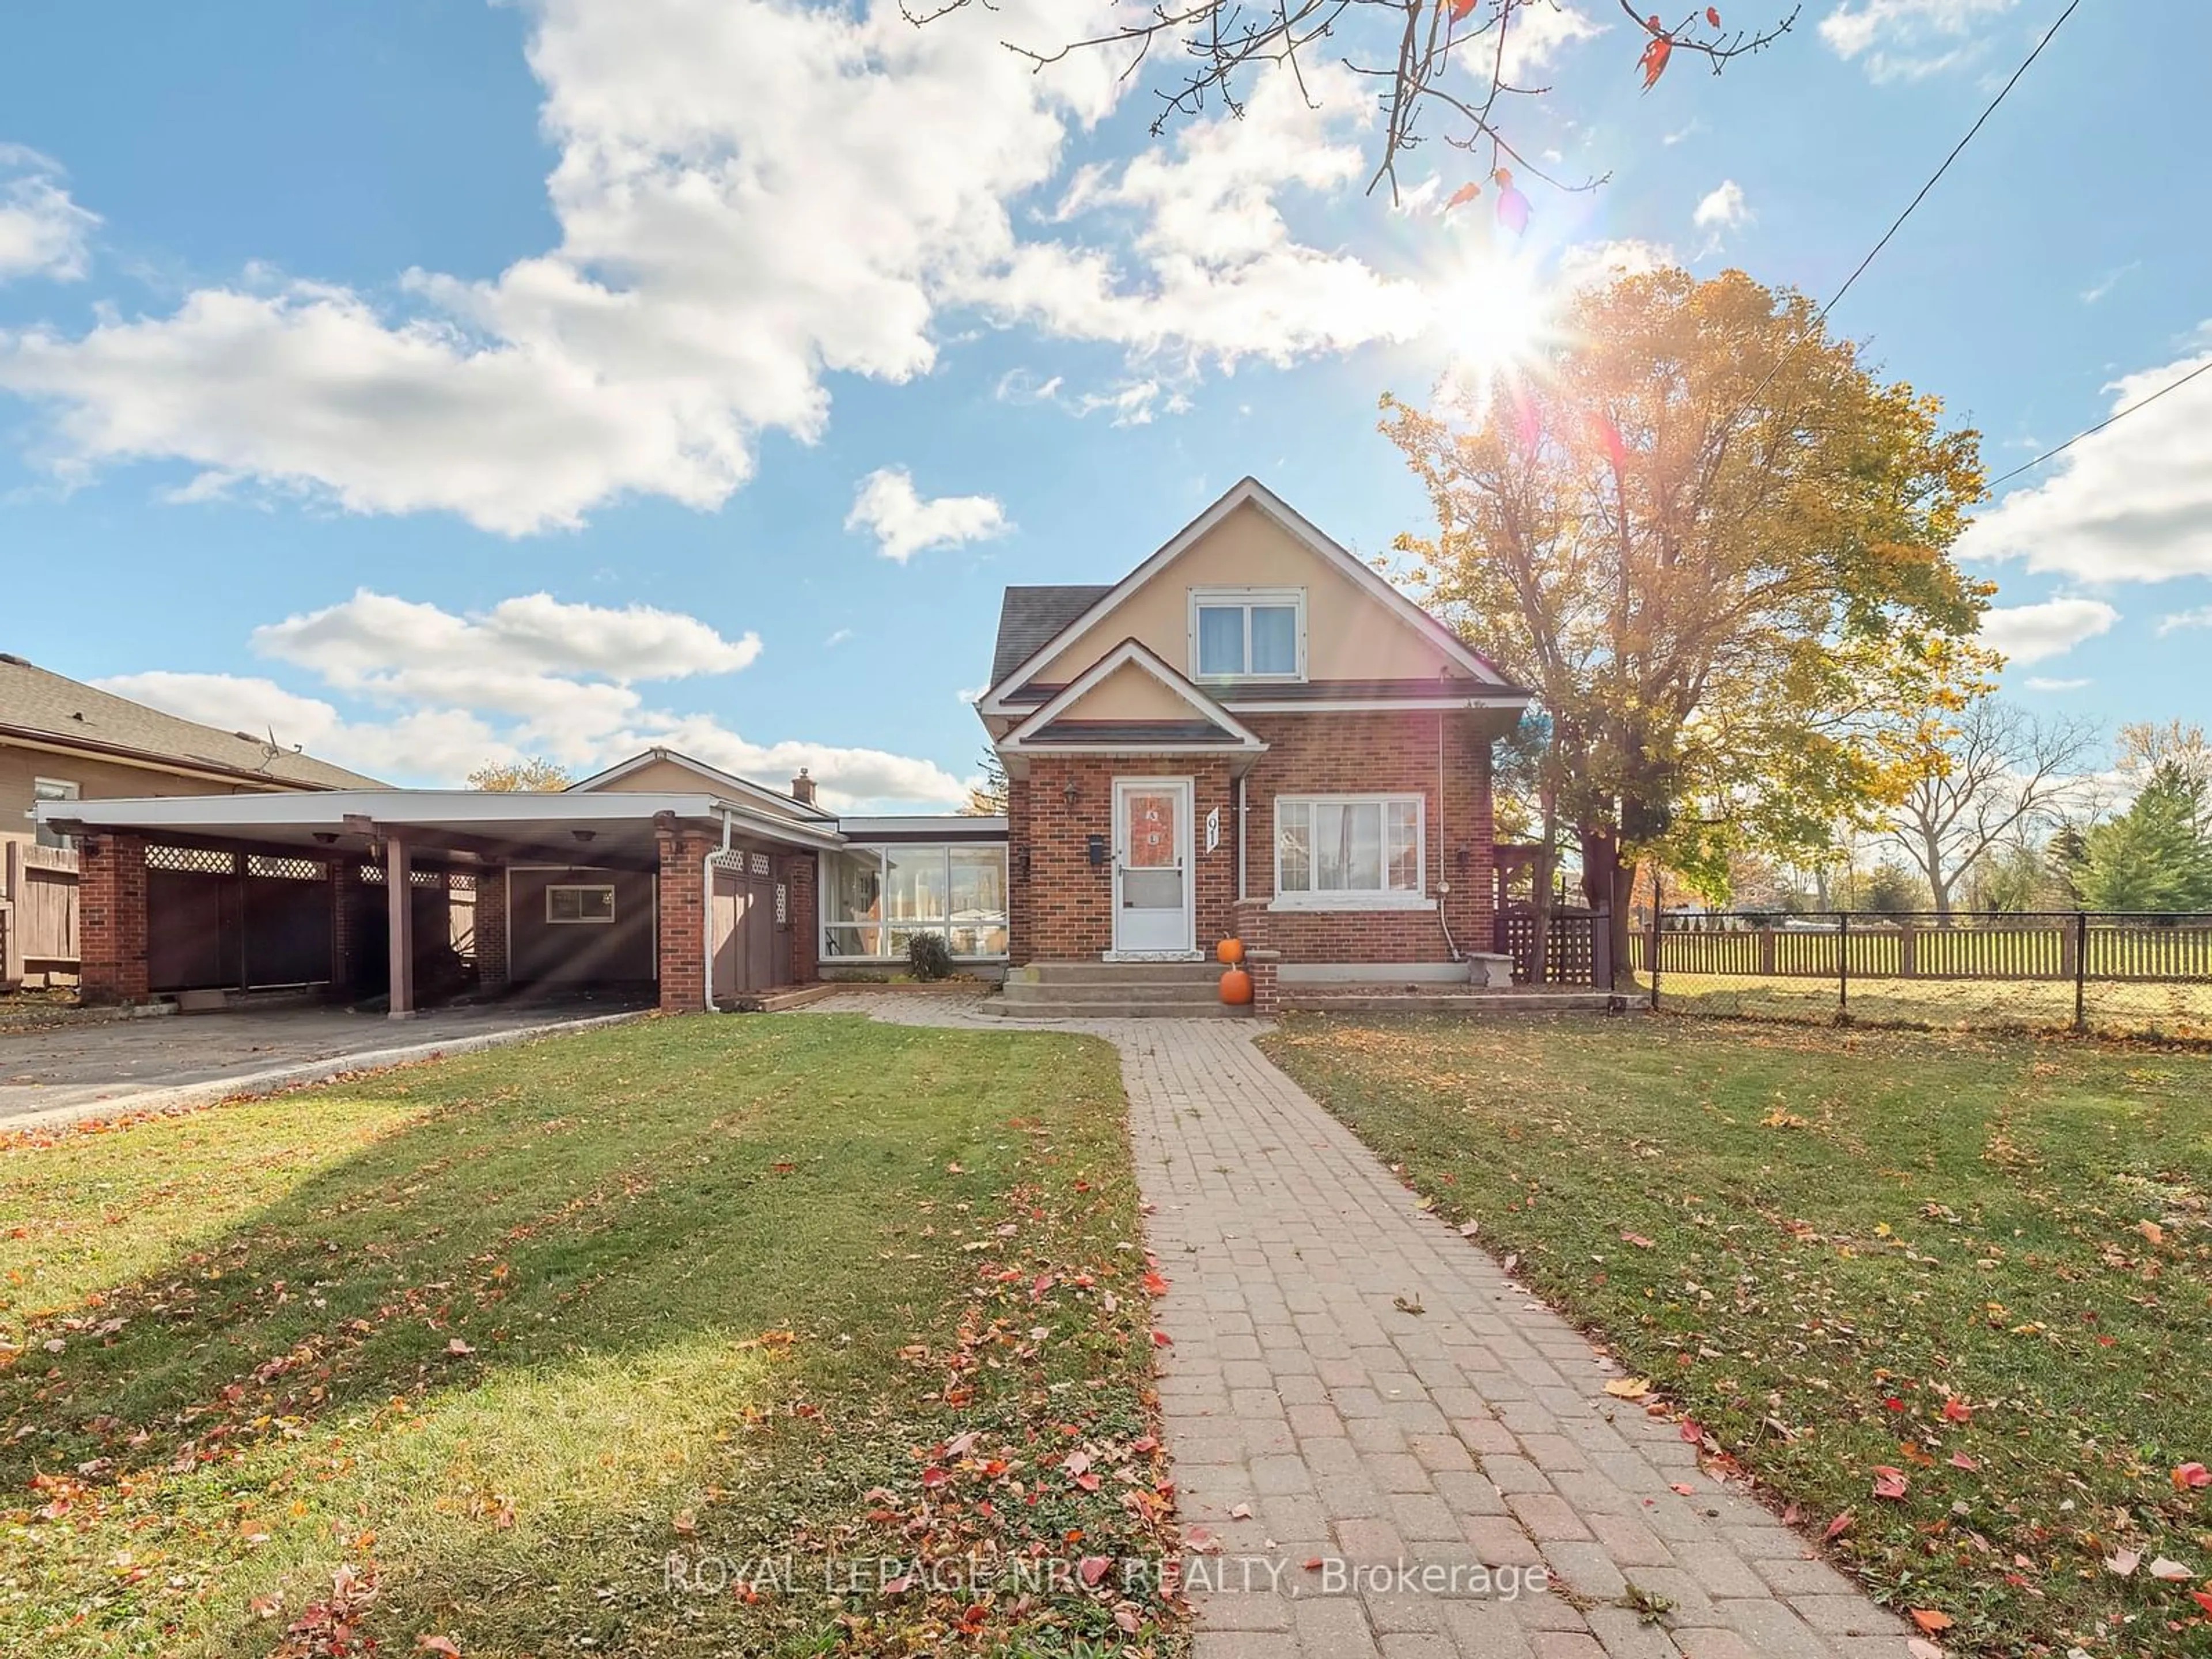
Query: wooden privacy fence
(1578, 951)
(38, 914)
(2053, 947)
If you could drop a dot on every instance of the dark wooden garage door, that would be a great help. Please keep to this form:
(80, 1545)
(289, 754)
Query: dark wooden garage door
(217, 919)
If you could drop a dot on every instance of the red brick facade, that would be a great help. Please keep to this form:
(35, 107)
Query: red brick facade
(1062, 903)
(683, 935)
(491, 930)
(112, 918)
(801, 877)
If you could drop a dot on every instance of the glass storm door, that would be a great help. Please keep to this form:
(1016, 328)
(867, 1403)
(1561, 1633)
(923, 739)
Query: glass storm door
(1152, 909)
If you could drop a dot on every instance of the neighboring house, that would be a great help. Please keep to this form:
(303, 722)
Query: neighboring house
(1252, 733)
(61, 740)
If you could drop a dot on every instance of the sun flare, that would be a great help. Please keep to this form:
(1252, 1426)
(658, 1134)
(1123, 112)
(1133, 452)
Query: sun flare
(1498, 318)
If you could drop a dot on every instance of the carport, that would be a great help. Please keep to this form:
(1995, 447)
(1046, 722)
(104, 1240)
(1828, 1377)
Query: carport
(426, 895)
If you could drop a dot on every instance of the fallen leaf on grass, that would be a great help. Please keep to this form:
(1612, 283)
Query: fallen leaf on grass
(2191, 1476)
(2204, 1598)
(2170, 1571)
(2122, 1562)
(1638, 1240)
(1629, 1387)
(1839, 1527)
(1929, 1621)
(1960, 1461)
(685, 1521)
(444, 1644)
(458, 1348)
(1092, 1568)
(1888, 1481)
(1690, 1432)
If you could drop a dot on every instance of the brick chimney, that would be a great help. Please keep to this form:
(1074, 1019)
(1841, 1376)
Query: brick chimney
(802, 788)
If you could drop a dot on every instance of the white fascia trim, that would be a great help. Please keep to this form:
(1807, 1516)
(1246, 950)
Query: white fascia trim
(955, 826)
(1376, 705)
(1239, 750)
(1351, 902)
(1128, 652)
(1252, 491)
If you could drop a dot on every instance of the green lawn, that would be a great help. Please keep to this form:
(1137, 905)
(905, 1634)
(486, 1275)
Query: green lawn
(2176, 1010)
(473, 1350)
(1985, 1264)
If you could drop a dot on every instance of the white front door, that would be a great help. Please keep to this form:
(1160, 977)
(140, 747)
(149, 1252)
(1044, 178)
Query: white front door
(1153, 910)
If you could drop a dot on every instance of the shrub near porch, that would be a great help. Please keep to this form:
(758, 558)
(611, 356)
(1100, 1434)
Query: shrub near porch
(493, 1340)
(1977, 1270)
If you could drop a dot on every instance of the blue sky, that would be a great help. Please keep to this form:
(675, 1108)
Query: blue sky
(434, 382)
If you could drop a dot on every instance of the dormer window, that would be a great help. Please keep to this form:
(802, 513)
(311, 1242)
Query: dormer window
(1248, 633)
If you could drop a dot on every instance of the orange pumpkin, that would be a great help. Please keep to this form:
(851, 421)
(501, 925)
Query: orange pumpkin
(1229, 951)
(1236, 988)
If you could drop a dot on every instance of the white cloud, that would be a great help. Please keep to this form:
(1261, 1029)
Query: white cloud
(1591, 265)
(887, 507)
(837, 638)
(1538, 32)
(1220, 277)
(42, 232)
(1908, 40)
(1135, 402)
(1721, 209)
(2131, 503)
(443, 745)
(441, 695)
(2102, 287)
(2031, 633)
(750, 196)
(2200, 617)
(2037, 682)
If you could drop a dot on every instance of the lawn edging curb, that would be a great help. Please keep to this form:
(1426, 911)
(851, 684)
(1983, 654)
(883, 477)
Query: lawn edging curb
(184, 1096)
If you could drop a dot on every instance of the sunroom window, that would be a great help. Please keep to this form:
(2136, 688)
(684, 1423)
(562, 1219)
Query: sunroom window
(1331, 849)
(876, 899)
(1248, 633)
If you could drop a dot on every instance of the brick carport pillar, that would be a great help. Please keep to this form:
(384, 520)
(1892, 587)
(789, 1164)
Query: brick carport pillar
(683, 929)
(112, 920)
(491, 929)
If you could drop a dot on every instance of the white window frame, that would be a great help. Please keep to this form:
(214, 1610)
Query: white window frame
(1385, 898)
(882, 852)
(1246, 597)
(606, 920)
(64, 789)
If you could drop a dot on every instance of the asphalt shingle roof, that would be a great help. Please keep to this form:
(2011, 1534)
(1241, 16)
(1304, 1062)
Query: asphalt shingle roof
(34, 700)
(1029, 616)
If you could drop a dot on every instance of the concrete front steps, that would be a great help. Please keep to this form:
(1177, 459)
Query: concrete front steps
(1112, 990)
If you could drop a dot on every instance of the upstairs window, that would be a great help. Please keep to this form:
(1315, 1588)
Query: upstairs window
(1247, 634)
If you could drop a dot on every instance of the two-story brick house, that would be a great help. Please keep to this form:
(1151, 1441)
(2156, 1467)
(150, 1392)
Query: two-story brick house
(1251, 733)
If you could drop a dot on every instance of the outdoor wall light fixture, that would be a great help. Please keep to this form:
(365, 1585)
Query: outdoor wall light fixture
(1071, 792)
(585, 836)
(326, 837)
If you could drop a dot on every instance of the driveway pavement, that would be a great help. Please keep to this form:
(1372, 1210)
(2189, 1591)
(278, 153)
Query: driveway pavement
(1351, 1384)
(53, 1072)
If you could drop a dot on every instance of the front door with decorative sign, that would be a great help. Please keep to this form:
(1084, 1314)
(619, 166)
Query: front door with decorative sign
(1153, 913)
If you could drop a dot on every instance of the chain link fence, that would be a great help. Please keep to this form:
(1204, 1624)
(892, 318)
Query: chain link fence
(2092, 972)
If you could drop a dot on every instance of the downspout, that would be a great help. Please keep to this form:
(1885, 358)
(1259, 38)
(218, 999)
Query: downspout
(1242, 779)
(1443, 846)
(707, 910)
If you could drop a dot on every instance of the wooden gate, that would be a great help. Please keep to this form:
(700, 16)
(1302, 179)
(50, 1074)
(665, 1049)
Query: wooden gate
(745, 932)
(38, 913)
(218, 920)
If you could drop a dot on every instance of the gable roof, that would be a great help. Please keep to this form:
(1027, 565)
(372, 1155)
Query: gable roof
(41, 706)
(1208, 725)
(729, 782)
(1246, 492)
(1032, 618)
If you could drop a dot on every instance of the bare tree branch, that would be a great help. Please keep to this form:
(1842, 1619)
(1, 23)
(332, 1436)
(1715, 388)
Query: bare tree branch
(1221, 44)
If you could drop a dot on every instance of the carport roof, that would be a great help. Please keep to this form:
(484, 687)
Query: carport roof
(468, 825)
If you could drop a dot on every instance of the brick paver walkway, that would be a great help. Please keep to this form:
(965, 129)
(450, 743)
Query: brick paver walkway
(1353, 1384)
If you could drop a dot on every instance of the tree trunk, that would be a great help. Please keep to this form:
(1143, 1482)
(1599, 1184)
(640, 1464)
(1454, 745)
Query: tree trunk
(1609, 885)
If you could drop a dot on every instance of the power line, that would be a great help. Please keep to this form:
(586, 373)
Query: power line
(2091, 432)
(1934, 179)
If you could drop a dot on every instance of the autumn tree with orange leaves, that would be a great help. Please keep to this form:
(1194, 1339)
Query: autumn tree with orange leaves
(1717, 548)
